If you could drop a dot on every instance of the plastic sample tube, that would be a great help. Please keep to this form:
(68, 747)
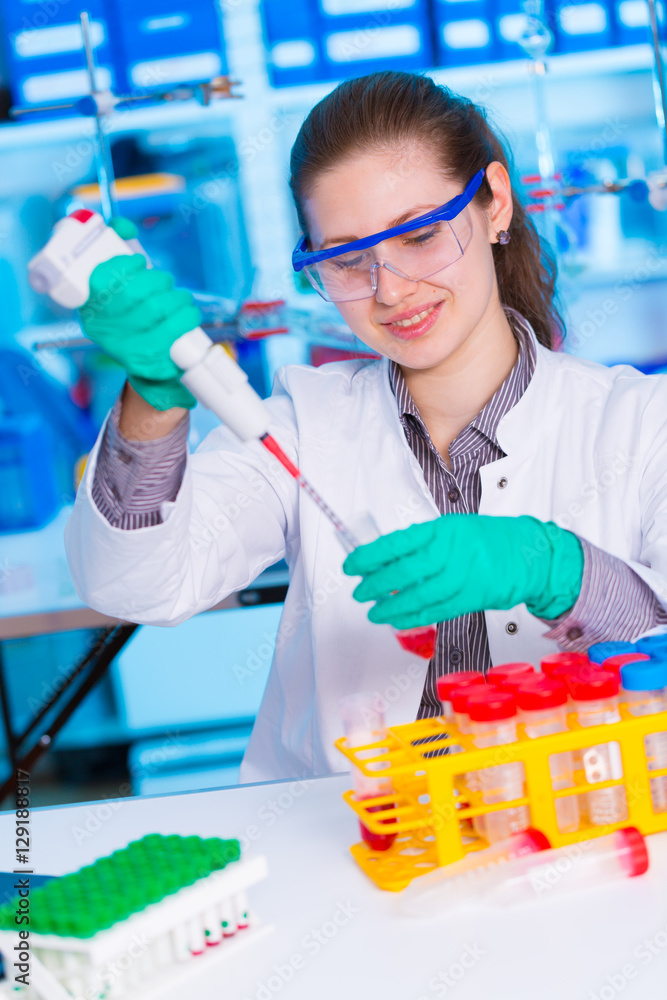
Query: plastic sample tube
(532, 876)
(460, 679)
(420, 640)
(242, 911)
(457, 883)
(549, 663)
(364, 722)
(595, 700)
(227, 915)
(212, 927)
(498, 675)
(493, 723)
(646, 693)
(543, 711)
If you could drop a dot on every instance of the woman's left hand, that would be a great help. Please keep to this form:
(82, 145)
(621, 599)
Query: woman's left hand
(462, 563)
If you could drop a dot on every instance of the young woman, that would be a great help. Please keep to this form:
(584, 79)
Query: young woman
(551, 472)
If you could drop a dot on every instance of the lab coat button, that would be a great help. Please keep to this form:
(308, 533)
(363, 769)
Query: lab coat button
(511, 628)
(502, 483)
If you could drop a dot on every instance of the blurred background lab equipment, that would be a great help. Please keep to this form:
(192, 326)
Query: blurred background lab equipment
(181, 117)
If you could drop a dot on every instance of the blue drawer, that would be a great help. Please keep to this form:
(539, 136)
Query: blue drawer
(335, 15)
(46, 61)
(583, 26)
(292, 38)
(464, 32)
(631, 22)
(167, 42)
(384, 39)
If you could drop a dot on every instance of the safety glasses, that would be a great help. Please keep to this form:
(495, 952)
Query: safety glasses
(414, 250)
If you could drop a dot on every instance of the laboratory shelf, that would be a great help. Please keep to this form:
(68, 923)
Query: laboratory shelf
(561, 67)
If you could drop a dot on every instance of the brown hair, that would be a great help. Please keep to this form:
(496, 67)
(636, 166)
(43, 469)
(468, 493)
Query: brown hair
(383, 109)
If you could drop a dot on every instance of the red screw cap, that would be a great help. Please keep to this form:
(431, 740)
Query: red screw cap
(458, 697)
(546, 694)
(603, 684)
(616, 662)
(461, 678)
(501, 673)
(549, 663)
(491, 705)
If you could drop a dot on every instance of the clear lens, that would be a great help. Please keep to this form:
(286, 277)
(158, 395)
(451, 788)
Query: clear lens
(417, 254)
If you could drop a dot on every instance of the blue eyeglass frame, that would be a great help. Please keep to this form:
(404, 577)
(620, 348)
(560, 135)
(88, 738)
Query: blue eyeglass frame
(301, 257)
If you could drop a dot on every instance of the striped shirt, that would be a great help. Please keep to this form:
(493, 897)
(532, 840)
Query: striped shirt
(134, 478)
(614, 603)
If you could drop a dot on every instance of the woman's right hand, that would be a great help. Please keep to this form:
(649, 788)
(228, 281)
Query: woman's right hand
(135, 314)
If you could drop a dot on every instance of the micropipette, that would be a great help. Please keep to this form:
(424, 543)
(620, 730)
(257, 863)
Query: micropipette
(62, 270)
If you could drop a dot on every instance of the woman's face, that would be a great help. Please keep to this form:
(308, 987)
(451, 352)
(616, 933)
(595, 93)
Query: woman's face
(378, 190)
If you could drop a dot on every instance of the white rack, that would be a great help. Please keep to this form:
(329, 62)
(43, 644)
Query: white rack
(153, 950)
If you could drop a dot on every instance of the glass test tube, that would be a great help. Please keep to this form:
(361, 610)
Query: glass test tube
(595, 698)
(542, 708)
(364, 722)
(646, 693)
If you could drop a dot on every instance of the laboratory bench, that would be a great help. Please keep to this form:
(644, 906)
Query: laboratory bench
(336, 935)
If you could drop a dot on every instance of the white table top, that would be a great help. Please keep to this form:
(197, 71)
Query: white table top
(588, 946)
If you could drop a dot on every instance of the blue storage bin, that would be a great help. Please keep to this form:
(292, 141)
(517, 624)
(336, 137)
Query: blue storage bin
(359, 37)
(464, 32)
(44, 50)
(583, 26)
(166, 42)
(292, 38)
(631, 22)
(29, 495)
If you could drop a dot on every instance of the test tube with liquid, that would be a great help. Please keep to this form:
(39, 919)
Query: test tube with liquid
(542, 705)
(421, 640)
(364, 723)
(645, 687)
(595, 697)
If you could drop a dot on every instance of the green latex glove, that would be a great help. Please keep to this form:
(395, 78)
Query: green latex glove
(135, 314)
(461, 563)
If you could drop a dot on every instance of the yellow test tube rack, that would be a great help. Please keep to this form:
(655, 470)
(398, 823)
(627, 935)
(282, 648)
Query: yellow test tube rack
(430, 808)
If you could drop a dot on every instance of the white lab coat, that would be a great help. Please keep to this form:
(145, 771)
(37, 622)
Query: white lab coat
(585, 446)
